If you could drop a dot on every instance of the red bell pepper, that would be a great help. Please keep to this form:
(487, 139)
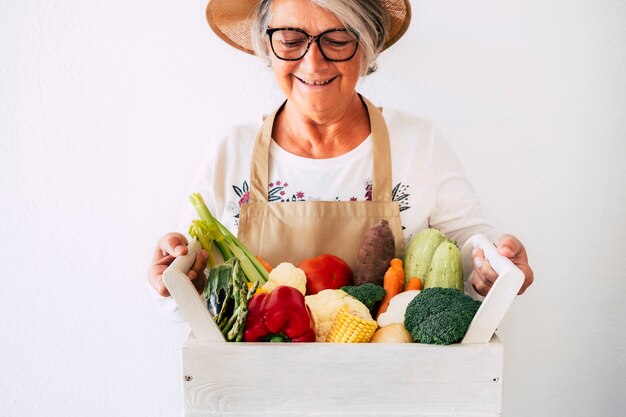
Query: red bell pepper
(279, 316)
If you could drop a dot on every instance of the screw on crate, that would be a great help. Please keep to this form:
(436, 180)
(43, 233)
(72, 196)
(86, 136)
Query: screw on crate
(188, 378)
(496, 379)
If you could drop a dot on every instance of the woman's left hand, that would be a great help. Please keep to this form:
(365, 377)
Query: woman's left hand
(484, 276)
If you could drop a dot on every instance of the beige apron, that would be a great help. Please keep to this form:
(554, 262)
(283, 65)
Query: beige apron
(293, 231)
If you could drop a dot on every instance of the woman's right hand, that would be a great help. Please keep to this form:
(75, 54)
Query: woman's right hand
(169, 247)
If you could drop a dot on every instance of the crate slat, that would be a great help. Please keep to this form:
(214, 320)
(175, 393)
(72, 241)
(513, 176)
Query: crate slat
(328, 379)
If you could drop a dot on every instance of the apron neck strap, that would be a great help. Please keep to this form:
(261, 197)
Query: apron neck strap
(381, 156)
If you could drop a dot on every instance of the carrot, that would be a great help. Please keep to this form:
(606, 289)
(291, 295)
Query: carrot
(414, 284)
(265, 264)
(393, 283)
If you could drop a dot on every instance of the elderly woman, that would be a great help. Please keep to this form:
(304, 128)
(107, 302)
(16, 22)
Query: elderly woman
(328, 164)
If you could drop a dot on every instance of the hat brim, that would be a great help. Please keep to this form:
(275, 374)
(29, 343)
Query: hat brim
(232, 20)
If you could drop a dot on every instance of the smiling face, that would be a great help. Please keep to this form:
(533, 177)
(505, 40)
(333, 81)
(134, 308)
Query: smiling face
(312, 84)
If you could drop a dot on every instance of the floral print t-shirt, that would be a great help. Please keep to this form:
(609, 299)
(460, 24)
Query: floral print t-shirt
(427, 180)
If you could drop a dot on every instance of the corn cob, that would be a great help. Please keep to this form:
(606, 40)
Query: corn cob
(349, 328)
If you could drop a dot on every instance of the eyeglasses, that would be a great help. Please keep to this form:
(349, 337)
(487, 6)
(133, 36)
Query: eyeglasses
(292, 44)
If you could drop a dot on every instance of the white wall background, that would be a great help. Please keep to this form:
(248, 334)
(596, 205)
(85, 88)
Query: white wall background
(106, 106)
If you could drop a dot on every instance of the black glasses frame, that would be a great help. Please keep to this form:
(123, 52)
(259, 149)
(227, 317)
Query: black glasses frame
(315, 39)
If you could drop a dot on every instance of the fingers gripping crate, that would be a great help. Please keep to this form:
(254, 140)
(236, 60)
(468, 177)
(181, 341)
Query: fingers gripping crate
(330, 379)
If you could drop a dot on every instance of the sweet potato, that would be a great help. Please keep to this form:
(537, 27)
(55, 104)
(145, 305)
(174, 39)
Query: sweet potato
(376, 251)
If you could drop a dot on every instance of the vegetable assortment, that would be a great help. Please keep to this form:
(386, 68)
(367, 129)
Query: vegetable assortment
(323, 300)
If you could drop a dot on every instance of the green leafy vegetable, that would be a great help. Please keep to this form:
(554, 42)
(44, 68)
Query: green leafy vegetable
(220, 280)
(227, 282)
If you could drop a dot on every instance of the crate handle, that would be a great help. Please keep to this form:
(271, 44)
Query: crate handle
(190, 303)
(500, 296)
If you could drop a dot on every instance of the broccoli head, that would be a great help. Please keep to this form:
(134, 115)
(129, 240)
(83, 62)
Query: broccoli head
(440, 315)
(368, 293)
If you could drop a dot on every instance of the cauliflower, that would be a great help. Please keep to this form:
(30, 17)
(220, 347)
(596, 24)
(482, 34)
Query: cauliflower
(286, 274)
(397, 307)
(324, 307)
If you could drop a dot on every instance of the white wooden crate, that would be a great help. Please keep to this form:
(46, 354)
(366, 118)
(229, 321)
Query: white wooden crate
(332, 379)
(329, 379)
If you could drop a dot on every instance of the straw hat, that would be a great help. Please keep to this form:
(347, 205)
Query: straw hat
(231, 20)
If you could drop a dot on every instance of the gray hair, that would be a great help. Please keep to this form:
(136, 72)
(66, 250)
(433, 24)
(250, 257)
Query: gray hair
(367, 17)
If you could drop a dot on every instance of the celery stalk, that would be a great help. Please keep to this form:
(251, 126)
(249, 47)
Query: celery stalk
(246, 252)
(205, 214)
(197, 230)
(228, 244)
